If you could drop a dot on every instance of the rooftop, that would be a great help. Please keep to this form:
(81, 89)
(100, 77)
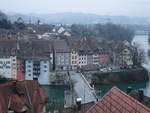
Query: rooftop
(116, 101)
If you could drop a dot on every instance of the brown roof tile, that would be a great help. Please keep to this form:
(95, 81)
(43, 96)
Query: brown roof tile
(61, 46)
(116, 101)
(16, 95)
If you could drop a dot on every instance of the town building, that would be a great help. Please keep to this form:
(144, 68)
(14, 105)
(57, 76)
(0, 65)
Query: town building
(20, 69)
(123, 54)
(95, 59)
(82, 59)
(62, 55)
(38, 69)
(74, 59)
(8, 67)
(38, 60)
(8, 59)
(103, 59)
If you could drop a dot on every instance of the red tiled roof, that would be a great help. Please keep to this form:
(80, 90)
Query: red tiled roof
(20, 95)
(116, 101)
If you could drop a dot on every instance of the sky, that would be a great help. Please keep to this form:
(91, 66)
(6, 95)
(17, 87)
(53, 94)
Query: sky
(139, 8)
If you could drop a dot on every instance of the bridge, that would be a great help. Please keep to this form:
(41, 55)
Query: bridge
(82, 88)
(142, 32)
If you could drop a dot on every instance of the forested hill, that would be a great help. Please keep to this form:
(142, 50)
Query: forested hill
(79, 18)
(108, 31)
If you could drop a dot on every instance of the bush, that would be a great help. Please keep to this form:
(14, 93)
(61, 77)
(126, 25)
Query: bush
(3, 79)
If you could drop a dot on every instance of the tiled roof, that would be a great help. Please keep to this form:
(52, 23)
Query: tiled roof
(8, 48)
(61, 46)
(18, 95)
(116, 101)
(34, 49)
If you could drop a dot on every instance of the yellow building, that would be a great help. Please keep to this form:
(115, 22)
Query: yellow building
(74, 58)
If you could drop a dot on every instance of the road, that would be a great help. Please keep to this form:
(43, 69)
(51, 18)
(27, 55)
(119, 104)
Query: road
(82, 88)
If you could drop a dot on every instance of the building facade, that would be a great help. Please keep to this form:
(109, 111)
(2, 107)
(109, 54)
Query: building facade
(8, 67)
(74, 59)
(38, 70)
(82, 60)
(20, 69)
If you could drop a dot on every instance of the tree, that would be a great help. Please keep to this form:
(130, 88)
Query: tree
(20, 25)
(4, 23)
(109, 31)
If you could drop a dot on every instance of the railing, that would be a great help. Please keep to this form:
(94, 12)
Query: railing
(92, 89)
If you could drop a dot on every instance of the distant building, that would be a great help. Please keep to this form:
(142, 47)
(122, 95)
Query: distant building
(8, 59)
(74, 58)
(82, 59)
(95, 59)
(8, 67)
(38, 70)
(20, 69)
(62, 55)
(20, 20)
(103, 59)
(123, 55)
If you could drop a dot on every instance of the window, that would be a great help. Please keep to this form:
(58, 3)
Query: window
(8, 62)
(72, 57)
(29, 70)
(29, 74)
(45, 70)
(45, 66)
(29, 61)
(29, 66)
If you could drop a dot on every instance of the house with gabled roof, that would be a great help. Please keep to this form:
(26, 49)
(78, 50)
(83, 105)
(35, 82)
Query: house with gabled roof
(116, 101)
(123, 54)
(61, 55)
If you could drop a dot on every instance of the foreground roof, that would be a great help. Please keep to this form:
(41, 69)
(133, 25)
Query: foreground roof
(20, 96)
(116, 101)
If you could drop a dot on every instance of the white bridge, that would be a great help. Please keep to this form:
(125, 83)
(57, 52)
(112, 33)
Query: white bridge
(82, 88)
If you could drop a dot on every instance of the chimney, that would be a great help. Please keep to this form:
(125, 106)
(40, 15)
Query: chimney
(78, 102)
(141, 94)
(129, 89)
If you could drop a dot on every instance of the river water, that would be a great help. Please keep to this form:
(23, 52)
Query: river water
(56, 93)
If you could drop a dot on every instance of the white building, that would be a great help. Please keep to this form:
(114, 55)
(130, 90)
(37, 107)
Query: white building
(8, 67)
(95, 59)
(38, 70)
(82, 60)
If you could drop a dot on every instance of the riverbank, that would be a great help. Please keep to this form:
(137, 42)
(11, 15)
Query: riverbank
(132, 76)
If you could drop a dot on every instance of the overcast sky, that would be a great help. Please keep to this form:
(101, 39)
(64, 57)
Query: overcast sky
(102, 7)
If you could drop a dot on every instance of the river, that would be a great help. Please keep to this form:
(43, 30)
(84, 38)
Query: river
(56, 93)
